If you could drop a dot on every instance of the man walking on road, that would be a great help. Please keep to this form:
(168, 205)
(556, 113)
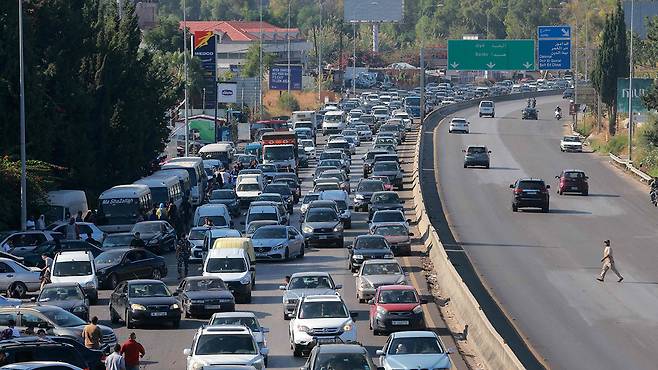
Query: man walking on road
(608, 262)
(91, 334)
(132, 350)
(115, 361)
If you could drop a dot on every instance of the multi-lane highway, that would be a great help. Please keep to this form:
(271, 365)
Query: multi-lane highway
(542, 267)
(164, 346)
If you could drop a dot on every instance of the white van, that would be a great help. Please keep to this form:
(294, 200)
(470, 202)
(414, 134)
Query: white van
(222, 152)
(254, 176)
(120, 207)
(163, 189)
(76, 267)
(333, 122)
(233, 267)
(303, 115)
(248, 190)
(65, 202)
(262, 213)
(487, 108)
(183, 180)
(218, 213)
(194, 167)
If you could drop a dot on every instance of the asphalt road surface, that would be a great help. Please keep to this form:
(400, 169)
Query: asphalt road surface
(164, 346)
(542, 267)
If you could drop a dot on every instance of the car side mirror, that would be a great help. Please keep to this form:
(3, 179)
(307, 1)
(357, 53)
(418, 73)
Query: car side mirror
(411, 234)
(264, 351)
(379, 352)
(463, 151)
(338, 286)
(557, 177)
(511, 186)
(489, 152)
(252, 268)
(282, 287)
(548, 186)
(371, 302)
(187, 351)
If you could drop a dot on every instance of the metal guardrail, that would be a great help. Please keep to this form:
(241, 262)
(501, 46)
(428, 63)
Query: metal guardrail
(629, 166)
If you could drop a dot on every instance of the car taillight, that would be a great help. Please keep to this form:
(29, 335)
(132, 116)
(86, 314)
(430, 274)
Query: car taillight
(518, 191)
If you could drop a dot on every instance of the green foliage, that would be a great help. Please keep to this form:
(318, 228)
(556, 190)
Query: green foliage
(288, 102)
(617, 144)
(251, 67)
(166, 36)
(40, 179)
(95, 102)
(650, 99)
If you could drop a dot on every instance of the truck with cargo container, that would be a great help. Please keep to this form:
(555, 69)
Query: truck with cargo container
(280, 149)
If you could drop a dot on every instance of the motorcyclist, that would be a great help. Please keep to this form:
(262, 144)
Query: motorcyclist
(534, 102)
(653, 193)
(558, 111)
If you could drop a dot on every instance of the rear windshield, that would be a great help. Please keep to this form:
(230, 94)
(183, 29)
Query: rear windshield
(486, 104)
(533, 185)
(475, 150)
(371, 186)
(574, 175)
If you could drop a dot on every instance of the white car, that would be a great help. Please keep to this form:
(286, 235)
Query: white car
(76, 267)
(224, 345)
(320, 319)
(365, 134)
(244, 318)
(487, 108)
(571, 143)
(84, 227)
(459, 125)
(405, 117)
(309, 147)
(414, 350)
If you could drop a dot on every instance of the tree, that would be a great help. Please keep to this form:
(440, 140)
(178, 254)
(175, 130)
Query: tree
(611, 63)
(251, 66)
(166, 36)
(650, 99)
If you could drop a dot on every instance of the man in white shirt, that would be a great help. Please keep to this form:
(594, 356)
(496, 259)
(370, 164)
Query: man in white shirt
(115, 361)
(608, 262)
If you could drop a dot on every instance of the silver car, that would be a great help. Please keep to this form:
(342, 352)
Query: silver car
(278, 242)
(304, 284)
(18, 278)
(375, 273)
(243, 318)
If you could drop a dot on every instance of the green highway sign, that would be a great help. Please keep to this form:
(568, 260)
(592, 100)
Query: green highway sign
(491, 55)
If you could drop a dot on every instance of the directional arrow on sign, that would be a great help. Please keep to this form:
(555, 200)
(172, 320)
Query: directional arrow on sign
(491, 65)
(454, 65)
(565, 32)
(527, 65)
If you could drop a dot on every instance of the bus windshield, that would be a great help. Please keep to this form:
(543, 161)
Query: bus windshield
(118, 211)
(278, 153)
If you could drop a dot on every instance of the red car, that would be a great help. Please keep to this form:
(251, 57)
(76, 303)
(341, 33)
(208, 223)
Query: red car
(572, 181)
(388, 185)
(395, 308)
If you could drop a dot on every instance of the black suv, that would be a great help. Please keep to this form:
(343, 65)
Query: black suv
(530, 193)
(529, 113)
(339, 356)
(24, 349)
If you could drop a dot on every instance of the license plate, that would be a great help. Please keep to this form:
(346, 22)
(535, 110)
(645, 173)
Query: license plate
(531, 192)
(261, 254)
(574, 188)
(323, 237)
(213, 306)
(400, 322)
(158, 314)
(331, 340)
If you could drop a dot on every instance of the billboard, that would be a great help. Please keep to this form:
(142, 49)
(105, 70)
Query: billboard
(227, 92)
(204, 49)
(641, 86)
(373, 11)
(643, 11)
(279, 77)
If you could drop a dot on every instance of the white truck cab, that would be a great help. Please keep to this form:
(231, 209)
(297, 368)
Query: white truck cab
(76, 267)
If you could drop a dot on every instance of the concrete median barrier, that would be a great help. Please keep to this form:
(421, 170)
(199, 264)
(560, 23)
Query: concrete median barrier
(489, 344)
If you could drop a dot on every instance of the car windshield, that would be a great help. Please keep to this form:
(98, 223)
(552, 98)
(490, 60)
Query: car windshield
(342, 361)
(70, 293)
(388, 217)
(459, 121)
(109, 258)
(370, 243)
(147, 227)
(222, 194)
(226, 265)
(248, 187)
(310, 282)
(112, 241)
(389, 128)
(571, 139)
(414, 346)
(319, 310)
(349, 133)
(270, 233)
(267, 167)
(386, 198)
(63, 318)
(476, 150)
(332, 163)
(486, 104)
(282, 189)
(371, 186)
(321, 215)
(381, 269)
(331, 155)
(308, 198)
(397, 296)
(225, 344)
(326, 186)
(72, 268)
(200, 285)
(249, 322)
(277, 153)
(216, 220)
(391, 230)
(198, 234)
(139, 290)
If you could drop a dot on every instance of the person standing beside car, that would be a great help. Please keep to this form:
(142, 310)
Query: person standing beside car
(72, 230)
(132, 350)
(91, 334)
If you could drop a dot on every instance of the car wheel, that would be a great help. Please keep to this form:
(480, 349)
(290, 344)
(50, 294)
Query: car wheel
(465, 166)
(515, 208)
(114, 281)
(296, 351)
(586, 192)
(487, 166)
(114, 318)
(247, 298)
(129, 321)
(560, 192)
(19, 288)
(156, 274)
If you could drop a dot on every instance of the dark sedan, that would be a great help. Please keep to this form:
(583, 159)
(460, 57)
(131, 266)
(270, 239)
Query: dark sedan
(158, 236)
(364, 191)
(33, 258)
(117, 265)
(203, 296)
(322, 226)
(367, 247)
(384, 200)
(529, 113)
(228, 198)
(293, 184)
(144, 302)
(284, 190)
(118, 240)
(68, 296)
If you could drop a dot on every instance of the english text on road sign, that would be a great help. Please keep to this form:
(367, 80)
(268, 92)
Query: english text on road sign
(498, 55)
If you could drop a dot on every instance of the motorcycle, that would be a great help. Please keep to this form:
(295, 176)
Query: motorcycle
(653, 194)
(558, 115)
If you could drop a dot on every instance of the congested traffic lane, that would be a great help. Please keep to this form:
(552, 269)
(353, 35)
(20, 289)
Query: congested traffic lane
(542, 267)
(165, 346)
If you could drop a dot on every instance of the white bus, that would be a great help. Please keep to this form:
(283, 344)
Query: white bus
(120, 207)
(198, 179)
(163, 189)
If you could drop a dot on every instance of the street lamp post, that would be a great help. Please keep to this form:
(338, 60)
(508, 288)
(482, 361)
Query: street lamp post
(320, 56)
(21, 83)
(187, 126)
(630, 90)
(288, 37)
(260, 64)
(354, 59)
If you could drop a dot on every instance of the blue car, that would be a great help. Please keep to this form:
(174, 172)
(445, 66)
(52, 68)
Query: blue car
(414, 350)
(278, 242)
(9, 302)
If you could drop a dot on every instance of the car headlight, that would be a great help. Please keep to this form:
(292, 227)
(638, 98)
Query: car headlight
(388, 256)
(418, 309)
(198, 365)
(381, 311)
(174, 306)
(153, 241)
(304, 329)
(90, 284)
(245, 279)
(80, 309)
(347, 327)
(402, 281)
(366, 284)
(137, 307)
(358, 256)
(359, 197)
(279, 246)
(197, 301)
(338, 228)
(307, 229)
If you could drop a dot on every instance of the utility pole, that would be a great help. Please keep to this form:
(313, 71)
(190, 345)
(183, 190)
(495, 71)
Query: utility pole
(288, 37)
(320, 57)
(22, 118)
(187, 126)
(354, 59)
(422, 85)
(260, 64)
(630, 90)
